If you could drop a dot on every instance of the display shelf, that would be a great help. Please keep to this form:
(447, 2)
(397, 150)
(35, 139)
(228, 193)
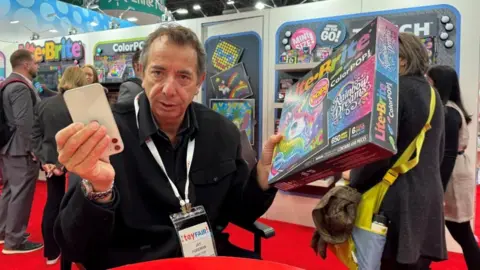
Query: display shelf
(299, 67)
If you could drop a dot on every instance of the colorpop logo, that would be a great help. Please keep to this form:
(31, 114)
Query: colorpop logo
(128, 47)
(203, 232)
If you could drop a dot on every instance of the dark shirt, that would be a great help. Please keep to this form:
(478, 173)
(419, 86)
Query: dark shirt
(51, 116)
(136, 226)
(453, 123)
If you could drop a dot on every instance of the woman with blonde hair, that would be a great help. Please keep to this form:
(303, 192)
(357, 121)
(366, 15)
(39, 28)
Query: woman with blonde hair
(51, 115)
(413, 205)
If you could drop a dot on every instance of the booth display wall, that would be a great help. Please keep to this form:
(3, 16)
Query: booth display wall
(291, 207)
(54, 56)
(296, 208)
(3, 66)
(234, 76)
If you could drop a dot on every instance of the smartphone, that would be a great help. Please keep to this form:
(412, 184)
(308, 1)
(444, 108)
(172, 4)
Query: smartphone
(89, 103)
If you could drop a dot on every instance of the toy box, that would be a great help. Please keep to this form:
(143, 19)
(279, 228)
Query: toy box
(343, 113)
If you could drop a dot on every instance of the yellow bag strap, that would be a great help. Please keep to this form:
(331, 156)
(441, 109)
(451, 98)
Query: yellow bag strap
(405, 162)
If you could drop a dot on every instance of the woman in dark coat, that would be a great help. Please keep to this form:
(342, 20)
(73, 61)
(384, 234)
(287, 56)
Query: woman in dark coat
(414, 203)
(458, 182)
(51, 115)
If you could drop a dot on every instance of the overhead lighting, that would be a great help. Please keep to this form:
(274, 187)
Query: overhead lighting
(259, 5)
(230, 2)
(53, 31)
(94, 6)
(181, 11)
(132, 19)
(197, 7)
(14, 22)
(94, 24)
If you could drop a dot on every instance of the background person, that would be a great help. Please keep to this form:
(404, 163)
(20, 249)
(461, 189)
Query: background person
(458, 182)
(20, 171)
(132, 86)
(414, 203)
(51, 116)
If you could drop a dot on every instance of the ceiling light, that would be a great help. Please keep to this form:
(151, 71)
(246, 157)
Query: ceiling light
(197, 7)
(94, 24)
(230, 2)
(53, 31)
(181, 11)
(259, 5)
(132, 19)
(14, 22)
(94, 6)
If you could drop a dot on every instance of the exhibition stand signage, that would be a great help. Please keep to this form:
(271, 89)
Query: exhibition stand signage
(54, 57)
(113, 59)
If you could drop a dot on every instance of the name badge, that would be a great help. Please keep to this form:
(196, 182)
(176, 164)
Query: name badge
(194, 233)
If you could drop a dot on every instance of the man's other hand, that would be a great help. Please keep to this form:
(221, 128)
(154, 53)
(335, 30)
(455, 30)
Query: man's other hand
(265, 164)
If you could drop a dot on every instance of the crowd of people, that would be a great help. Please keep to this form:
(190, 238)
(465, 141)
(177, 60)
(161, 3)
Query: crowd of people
(179, 154)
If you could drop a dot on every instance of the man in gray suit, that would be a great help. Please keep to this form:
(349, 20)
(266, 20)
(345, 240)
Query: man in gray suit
(20, 171)
(133, 86)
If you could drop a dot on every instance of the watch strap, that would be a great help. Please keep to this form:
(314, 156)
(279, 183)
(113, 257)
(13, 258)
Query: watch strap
(89, 192)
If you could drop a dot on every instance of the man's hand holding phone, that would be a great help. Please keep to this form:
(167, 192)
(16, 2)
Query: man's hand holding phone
(81, 149)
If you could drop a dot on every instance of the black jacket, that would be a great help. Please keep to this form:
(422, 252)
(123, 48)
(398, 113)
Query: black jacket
(136, 226)
(414, 203)
(129, 90)
(51, 116)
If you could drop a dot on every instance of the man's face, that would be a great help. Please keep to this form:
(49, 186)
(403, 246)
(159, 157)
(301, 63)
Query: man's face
(171, 79)
(32, 68)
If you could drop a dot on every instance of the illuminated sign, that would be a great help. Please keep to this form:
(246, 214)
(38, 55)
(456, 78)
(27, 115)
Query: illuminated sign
(128, 46)
(65, 50)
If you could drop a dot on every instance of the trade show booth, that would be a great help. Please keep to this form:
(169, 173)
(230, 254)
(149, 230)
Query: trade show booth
(253, 57)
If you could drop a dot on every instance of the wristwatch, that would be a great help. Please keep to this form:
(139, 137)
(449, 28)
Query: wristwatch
(88, 191)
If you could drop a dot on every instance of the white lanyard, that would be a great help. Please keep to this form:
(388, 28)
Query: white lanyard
(184, 204)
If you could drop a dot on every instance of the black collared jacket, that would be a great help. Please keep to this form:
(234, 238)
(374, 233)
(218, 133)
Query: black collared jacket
(136, 226)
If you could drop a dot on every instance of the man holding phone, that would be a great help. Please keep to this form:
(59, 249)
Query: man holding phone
(181, 173)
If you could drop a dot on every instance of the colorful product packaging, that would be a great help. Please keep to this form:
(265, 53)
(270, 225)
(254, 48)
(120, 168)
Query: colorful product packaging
(343, 113)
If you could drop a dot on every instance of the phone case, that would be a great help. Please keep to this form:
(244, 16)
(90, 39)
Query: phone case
(89, 103)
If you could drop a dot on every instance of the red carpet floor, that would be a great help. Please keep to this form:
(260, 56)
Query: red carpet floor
(289, 246)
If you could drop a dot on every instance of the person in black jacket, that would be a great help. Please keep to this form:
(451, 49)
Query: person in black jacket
(458, 182)
(51, 115)
(120, 213)
(414, 203)
(133, 86)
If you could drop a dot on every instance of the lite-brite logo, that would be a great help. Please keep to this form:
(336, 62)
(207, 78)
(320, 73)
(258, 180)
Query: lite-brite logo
(352, 54)
(385, 111)
(350, 97)
(51, 51)
(319, 92)
(387, 49)
(196, 235)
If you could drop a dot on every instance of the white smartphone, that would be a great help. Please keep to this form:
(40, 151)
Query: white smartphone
(89, 103)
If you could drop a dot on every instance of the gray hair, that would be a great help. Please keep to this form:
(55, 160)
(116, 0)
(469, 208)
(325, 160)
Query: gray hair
(179, 35)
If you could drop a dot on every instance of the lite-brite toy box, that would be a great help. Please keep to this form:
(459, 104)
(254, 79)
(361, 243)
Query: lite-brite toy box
(343, 113)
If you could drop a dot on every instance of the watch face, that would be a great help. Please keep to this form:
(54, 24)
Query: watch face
(86, 188)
